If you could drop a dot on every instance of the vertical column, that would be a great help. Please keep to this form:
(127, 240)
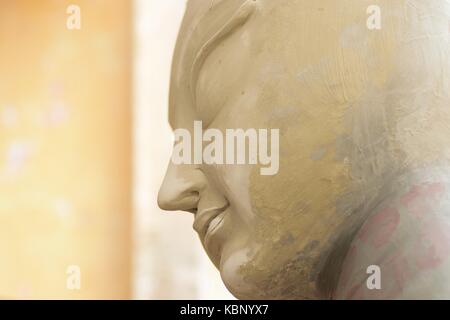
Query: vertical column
(65, 149)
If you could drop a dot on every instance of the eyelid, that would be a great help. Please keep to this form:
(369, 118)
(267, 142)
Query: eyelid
(215, 110)
(207, 123)
(238, 19)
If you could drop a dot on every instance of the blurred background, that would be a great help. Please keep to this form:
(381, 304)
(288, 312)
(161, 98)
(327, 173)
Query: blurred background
(84, 144)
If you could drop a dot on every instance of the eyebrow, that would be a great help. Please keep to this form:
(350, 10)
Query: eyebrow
(237, 20)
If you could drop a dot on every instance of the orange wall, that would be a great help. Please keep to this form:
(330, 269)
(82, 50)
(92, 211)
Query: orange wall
(65, 149)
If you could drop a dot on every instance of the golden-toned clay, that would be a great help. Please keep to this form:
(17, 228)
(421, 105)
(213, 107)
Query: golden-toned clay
(362, 114)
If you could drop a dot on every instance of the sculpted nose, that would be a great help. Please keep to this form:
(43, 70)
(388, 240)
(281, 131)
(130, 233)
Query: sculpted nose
(181, 188)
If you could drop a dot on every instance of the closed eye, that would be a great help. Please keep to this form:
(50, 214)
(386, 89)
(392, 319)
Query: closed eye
(239, 18)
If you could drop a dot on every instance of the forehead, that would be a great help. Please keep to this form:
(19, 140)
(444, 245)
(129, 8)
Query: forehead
(293, 34)
(204, 25)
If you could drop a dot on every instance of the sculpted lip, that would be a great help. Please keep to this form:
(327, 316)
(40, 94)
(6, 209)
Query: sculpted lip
(204, 219)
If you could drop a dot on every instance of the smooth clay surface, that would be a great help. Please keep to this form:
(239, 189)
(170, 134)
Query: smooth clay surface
(364, 128)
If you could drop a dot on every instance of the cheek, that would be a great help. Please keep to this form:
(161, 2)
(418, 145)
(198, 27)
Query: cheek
(304, 192)
(233, 182)
(295, 210)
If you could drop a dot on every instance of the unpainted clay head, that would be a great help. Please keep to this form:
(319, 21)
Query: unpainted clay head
(354, 105)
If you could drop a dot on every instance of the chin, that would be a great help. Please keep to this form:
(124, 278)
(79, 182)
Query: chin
(232, 277)
(237, 286)
(240, 284)
(248, 279)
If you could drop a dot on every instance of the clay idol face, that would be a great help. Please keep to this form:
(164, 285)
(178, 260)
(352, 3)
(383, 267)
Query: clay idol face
(306, 69)
(239, 67)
